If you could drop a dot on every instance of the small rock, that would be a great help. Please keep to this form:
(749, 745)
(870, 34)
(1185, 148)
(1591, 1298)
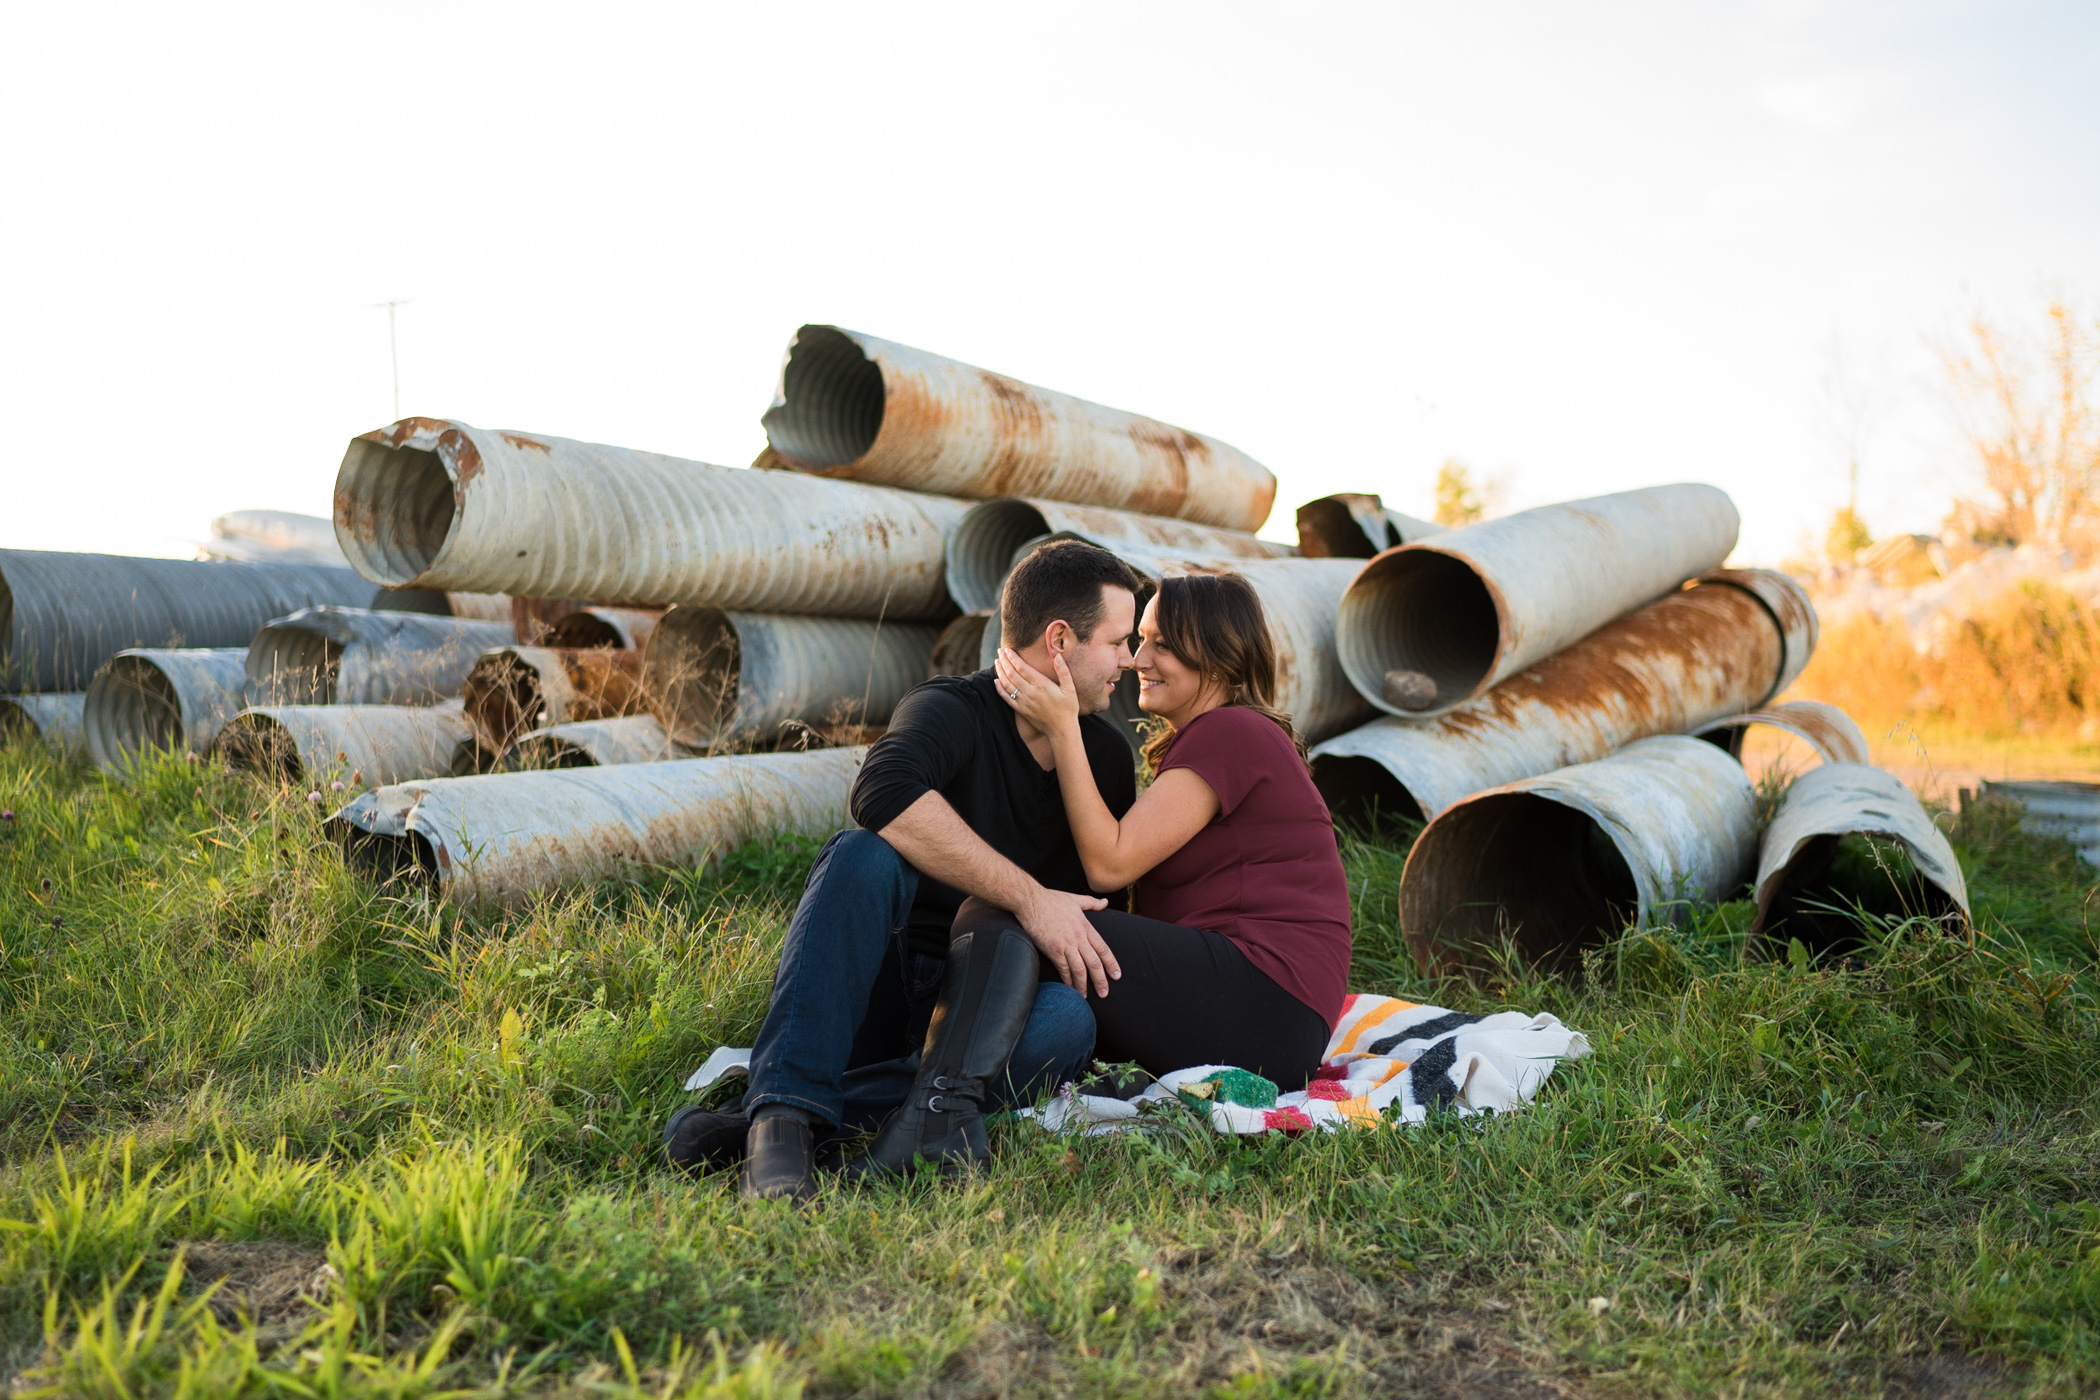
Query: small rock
(1750, 1123)
(1599, 1306)
(1410, 690)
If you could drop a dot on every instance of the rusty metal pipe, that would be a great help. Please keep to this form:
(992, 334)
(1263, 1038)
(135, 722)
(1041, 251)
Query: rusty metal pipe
(625, 628)
(850, 405)
(1561, 861)
(595, 743)
(720, 679)
(993, 535)
(500, 837)
(1823, 727)
(362, 745)
(1356, 525)
(152, 700)
(514, 690)
(960, 649)
(1726, 644)
(1839, 799)
(353, 656)
(437, 504)
(1427, 626)
(63, 615)
(56, 720)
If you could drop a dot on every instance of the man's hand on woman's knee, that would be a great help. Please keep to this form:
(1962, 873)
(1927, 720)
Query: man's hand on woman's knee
(1057, 923)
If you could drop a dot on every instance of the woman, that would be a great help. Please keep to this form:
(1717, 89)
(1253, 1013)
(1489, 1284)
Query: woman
(1237, 952)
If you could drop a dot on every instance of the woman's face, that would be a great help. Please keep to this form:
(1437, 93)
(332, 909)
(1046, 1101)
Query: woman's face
(1167, 685)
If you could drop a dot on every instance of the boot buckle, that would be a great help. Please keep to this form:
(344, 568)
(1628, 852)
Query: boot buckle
(933, 1103)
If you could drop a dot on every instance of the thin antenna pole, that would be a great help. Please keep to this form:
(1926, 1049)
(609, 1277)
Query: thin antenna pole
(393, 350)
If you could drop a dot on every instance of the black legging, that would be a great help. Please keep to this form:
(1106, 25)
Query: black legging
(1187, 997)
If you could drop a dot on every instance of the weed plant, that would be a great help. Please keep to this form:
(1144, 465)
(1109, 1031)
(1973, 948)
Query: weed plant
(268, 1130)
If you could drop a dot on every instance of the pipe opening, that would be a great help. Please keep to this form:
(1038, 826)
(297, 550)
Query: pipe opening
(961, 645)
(1362, 792)
(1836, 877)
(504, 699)
(1514, 865)
(691, 670)
(585, 631)
(135, 712)
(1328, 529)
(1422, 612)
(384, 858)
(394, 510)
(8, 678)
(982, 550)
(258, 744)
(293, 666)
(831, 401)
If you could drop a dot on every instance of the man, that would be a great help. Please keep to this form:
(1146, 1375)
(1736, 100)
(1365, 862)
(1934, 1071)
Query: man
(959, 798)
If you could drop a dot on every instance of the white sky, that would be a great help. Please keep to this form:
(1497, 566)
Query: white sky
(1583, 247)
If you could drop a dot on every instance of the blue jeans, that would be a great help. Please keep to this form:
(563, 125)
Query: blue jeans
(851, 1000)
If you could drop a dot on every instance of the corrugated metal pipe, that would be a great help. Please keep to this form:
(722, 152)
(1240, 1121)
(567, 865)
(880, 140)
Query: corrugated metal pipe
(500, 837)
(432, 503)
(1559, 862)
(595, 743)
(2070, 810)
(994, 535)
(567, 622)
(850, 405)
(151, 700)
(55, 719)
(63, 615)
(362, 745)
(721, 679)
(1823, 727)
(352, 656)
(1821, 808)
(514, 690)
(281, 536)
(1428, 626)
(960, 649)
(1356, 525)
(1727, 644)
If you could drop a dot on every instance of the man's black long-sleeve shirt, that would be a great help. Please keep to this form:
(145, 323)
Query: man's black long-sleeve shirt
(955, 736)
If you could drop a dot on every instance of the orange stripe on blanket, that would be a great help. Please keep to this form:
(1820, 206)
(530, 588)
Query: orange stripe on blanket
(1394, 1006)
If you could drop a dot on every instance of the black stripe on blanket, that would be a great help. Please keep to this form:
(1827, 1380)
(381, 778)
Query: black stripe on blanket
(1430, 1074)
(1428, 1030)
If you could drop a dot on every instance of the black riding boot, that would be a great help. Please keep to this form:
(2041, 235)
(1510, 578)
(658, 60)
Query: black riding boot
(985, 1000)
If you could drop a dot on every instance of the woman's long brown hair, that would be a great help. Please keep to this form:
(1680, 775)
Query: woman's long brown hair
(1214, 624)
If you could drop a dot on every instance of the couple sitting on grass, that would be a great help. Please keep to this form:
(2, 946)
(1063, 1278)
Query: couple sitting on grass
(969, 947)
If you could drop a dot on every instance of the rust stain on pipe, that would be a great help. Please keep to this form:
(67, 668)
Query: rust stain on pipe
(852, 405)
(1709, 651)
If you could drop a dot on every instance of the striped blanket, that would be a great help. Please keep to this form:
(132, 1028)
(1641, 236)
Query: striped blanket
(1389, 1060)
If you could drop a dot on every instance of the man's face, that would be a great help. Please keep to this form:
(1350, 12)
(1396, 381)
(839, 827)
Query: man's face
(1097, 663)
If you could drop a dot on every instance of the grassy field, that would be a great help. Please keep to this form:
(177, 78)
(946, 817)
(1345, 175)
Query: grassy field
(267, 1130)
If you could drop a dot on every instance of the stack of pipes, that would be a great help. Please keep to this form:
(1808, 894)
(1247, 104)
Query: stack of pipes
(787, 607)
(1566, 691)
(1561, 694)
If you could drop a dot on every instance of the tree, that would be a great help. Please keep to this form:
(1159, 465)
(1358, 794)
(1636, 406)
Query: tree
(2024, 401)
(1460, 500)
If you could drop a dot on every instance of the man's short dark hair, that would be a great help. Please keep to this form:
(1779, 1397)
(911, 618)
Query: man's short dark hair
(1061, 580)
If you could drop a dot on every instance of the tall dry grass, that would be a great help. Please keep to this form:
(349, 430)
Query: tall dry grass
(2027, 663)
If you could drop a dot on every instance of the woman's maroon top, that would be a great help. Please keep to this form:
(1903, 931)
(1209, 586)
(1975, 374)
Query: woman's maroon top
(1266, 872)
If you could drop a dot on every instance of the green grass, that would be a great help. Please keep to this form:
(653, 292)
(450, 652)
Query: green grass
(266, 1130)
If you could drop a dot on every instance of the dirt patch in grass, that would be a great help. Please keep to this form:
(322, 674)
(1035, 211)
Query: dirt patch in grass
(1952, 1375)
(1305, 1324)
(270, 1281)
